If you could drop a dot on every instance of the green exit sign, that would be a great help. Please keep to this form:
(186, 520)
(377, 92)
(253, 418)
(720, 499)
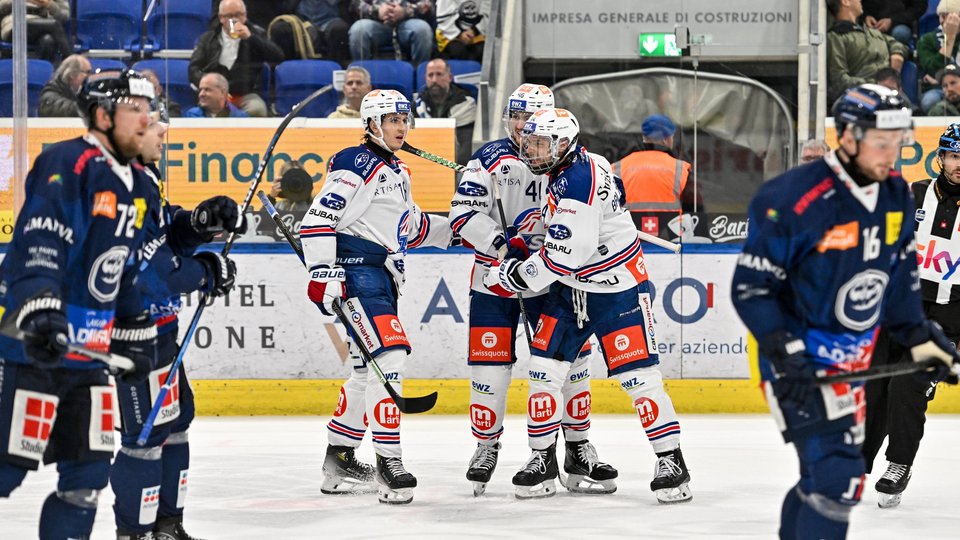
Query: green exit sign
(659, 45)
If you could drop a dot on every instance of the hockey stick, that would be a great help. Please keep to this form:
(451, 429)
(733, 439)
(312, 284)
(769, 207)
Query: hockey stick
(408, 405)
(115, 363)
(527, 329)
(880, 372)
(646, 237)
(231, 238)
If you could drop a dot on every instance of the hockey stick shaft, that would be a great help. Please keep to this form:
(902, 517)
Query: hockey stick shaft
(503, 223)
(231, 238)
(880, 372)
(410, 405)
(115, 363)
(646, 237)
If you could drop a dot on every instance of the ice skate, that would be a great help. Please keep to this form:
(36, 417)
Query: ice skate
(671, 479)
(396, 484)
(343, 474)
(537, 478)
(126, 535)
(482, 465)
(585, 472)
(171, 528)
(890, 486)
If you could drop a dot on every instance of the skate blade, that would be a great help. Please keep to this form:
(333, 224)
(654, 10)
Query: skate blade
(479, 488)
(578, 483)
(547, 488)
(348, 486)
(395, 496)
(888, 500)
(679, 494)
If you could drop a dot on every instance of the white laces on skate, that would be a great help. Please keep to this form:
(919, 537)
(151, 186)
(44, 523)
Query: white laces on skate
(588, 454)
(484, 458)
(395, 466)
(666, 467)
(536, 463)
(895, 472)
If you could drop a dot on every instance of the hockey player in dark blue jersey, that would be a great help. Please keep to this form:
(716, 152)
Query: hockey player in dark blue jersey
(150, 481)
(826, 261)
(65, 278)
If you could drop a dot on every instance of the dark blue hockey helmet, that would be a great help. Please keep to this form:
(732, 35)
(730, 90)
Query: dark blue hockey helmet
(950, 140)
(107, 88)
(871, 106)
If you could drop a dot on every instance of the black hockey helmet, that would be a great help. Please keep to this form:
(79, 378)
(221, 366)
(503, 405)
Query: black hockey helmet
(871, 106)
(950, 140)
(107, 88)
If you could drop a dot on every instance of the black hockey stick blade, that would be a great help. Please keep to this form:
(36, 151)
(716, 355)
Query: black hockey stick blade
(411, 405)
(432, 157)
(880, 372)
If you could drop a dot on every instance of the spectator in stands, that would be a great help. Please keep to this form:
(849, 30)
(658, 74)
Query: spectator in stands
(462, 28)
(329, 20)
(949, 78)
(891, 79)
(442, 98)
(401, 22)
(294, 190)
(263, 12)
(173, 108)
(812, 150)
(894, 17)
(212, 101)
(237, 51)
(856, 53)
(654, 179)
(937, 49)
(356, 84)
(59, 96)
(45, 30)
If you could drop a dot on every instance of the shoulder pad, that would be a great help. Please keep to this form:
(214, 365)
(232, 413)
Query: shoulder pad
(489, 153)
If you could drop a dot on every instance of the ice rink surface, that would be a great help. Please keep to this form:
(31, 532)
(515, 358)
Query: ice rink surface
(256, 478)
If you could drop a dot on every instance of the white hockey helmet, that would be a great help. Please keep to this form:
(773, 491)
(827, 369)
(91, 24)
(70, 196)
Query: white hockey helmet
(543, 137)
(379, 103)
(524, 101)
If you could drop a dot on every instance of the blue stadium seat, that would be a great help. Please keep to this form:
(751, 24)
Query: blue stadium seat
(107, 24)
(928, 23)
(465, 73)
(174, 75)
(390, 75)
(296, 79)
(106, 63)
(176, 24)
(38, 73)
(910, 82)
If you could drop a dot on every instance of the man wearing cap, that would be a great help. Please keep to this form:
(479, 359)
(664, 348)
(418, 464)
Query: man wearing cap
(936, 49)
(949, 79)
(653, 178)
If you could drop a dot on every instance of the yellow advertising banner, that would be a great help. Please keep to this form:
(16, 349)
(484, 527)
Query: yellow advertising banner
(918, 161)
(207, 157)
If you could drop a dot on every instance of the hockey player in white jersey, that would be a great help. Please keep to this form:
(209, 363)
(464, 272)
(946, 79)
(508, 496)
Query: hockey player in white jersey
(355, 237)
(493, 319)
(593, 264)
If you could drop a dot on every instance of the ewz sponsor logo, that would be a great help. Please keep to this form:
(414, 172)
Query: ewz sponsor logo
(481, 388)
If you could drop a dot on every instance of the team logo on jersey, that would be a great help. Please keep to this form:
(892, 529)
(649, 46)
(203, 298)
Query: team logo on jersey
(559, 232)
(104, 279)
(471, 189)
(579, 406)
(559, 187)
(361, 160)
(920, 214)
(483, 418)
(333, 201)
(859, 299)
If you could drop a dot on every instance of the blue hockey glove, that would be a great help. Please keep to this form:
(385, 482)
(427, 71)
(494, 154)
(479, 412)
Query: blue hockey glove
(45, 328)
(136, 339)
(792, 366)
(515, 249)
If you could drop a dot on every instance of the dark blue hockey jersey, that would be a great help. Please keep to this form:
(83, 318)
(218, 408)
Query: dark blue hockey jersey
(829, 262)
(80, 228)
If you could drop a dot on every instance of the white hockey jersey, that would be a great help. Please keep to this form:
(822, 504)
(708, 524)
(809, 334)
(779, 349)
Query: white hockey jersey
(367, 197)
(473, 211)
(591, 242)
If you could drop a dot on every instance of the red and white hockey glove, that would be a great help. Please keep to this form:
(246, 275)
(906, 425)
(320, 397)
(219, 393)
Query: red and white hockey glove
(326, 285)
(503, 278)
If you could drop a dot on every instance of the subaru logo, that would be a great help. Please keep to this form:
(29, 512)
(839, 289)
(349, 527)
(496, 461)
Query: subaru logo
(559, 232)
(333, 201)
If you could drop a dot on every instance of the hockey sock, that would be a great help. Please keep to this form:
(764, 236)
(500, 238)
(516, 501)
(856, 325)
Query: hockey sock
(11, 477)
(820, 517)
(650, 399)
(382, 412)
(576, 398)
(788, 514)
(347, 427)
(68, 515)
(176, 466)
(545, 400)
(488, 401)
(135, 478)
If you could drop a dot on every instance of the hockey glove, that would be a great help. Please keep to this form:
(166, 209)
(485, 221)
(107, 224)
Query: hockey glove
(221, 272)
(326, 285)
(939, 347)
(136, 339)
(515, 249)
(791, 366)
(45, 330)
(503, 278)
(217, 214)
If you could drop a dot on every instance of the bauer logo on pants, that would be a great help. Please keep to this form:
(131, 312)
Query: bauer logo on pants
(579, 406)
(648, 411)
(541, 407)
(387, 414)
(483, 418)
(102, 416)
(33, 417)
